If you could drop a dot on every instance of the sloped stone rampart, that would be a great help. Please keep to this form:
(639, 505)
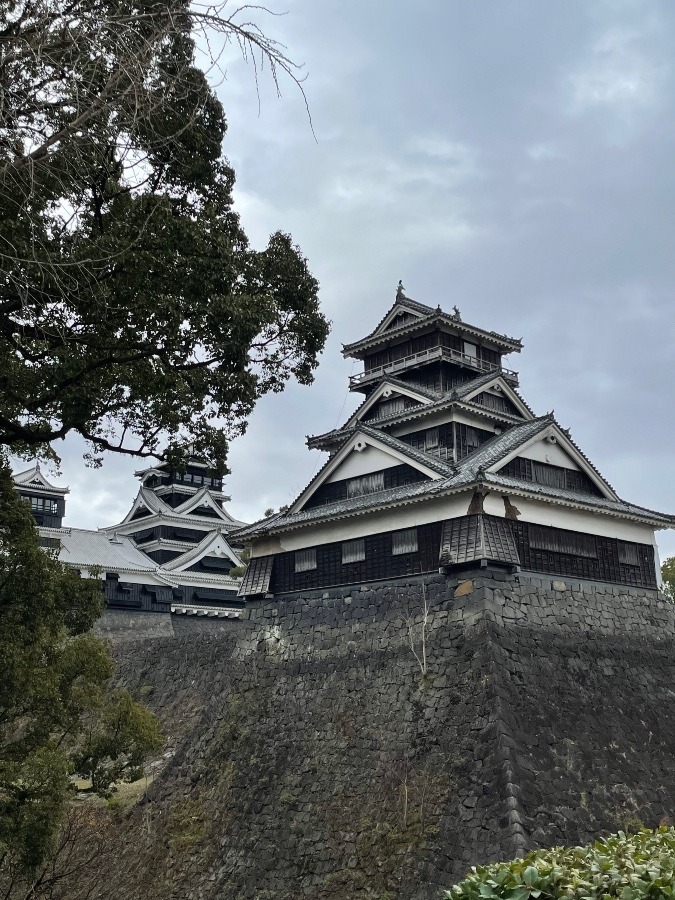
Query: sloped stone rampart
(318, 750)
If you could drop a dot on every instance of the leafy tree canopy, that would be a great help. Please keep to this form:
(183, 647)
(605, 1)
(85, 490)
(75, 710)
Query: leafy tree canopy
(56, 719)
(132, 309)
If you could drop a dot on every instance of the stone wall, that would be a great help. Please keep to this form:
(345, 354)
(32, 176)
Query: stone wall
(344, 744)
(121, 626)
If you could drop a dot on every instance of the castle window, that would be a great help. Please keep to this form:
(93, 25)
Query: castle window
(366, 484)
(552, 476)
(557, 540)
(629, 554)
(44, 504)
(353, 551)
(431, 439)
(305, 560)
(404, 541)
(390, 407)
(470, 349)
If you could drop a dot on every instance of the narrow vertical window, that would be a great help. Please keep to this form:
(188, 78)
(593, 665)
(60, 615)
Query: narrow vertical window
(404, 541)
(353, 551)
(431, 438)
(305, 560)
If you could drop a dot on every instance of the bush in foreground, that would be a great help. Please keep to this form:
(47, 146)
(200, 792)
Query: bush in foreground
(630, 867)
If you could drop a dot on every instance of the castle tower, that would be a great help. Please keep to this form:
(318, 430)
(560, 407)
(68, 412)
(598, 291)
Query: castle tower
(444, 465)
(47, 501)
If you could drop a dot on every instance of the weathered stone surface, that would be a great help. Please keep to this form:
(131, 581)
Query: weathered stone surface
(464, 588)
(336, 750)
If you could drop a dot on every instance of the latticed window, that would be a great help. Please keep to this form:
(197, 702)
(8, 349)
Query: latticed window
(365, 484)
(629, 554)
(390, 407)
(44, 504)
(305, 560)
(404, 541)
(553, 476)
(558, 540)
(431, 438)
(353, 551)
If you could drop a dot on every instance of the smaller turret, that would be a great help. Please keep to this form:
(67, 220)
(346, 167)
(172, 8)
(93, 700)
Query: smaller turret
(47, 501)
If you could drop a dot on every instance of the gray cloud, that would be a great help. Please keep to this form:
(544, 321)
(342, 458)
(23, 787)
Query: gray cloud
(513, 158)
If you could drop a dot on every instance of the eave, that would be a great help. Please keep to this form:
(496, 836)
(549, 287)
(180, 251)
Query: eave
(331, 438)
(501, 342)
(656, 520)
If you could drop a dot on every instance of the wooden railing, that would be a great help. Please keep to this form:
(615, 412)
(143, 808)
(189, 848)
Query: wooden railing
(428, 356)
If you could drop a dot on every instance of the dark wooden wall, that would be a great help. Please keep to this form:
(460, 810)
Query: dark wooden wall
(552, 476)
(337, 490)
(578, 555)
(552, 551)
(378, 564)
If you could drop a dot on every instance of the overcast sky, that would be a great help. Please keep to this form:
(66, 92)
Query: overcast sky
(513, 157)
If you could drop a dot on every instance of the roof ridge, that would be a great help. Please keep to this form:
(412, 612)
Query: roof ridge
(441, 467)
(532, 427)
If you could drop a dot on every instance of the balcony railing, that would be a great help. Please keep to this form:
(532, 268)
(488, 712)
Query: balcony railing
(428, 356)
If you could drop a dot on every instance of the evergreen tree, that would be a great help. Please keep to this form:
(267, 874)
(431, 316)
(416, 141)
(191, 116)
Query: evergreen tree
(132, 309)
(56, 719)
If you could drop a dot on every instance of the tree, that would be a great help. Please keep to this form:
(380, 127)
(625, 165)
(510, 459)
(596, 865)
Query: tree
(668, 575)
(132, 309)
(56, 719)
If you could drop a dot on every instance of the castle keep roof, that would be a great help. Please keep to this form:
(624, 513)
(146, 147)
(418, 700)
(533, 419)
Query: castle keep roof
(430, 464)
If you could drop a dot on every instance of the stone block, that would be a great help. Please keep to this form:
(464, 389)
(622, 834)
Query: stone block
(464, 588)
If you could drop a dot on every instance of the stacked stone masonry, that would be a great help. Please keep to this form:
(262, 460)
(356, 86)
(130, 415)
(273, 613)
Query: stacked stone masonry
(322, 749)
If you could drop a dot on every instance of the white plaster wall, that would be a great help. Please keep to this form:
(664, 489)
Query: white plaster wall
(372, 459)
(360, 526)
(573, 519)
(657, 564)
(553, 454)
(539, 513)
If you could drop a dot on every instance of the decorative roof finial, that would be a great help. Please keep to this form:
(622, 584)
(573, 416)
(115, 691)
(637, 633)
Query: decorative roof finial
(400, 291)
(456, 315)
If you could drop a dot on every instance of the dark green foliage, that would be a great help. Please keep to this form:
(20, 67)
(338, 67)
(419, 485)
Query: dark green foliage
(53, 707)
(132, 309)
(629, 867)
(668, 575)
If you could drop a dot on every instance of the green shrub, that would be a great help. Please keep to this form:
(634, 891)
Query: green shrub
(629, 867)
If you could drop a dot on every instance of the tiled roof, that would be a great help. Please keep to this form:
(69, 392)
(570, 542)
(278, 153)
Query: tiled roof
(426, 459)
(199, 550)
(429, 315)
(431, 462)
(500, 446)
(404, 301)
(464, 475)
(439, 401)
(577, 497)
(88, 549)
(33, 479)
(468, 472)
(257, 576)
